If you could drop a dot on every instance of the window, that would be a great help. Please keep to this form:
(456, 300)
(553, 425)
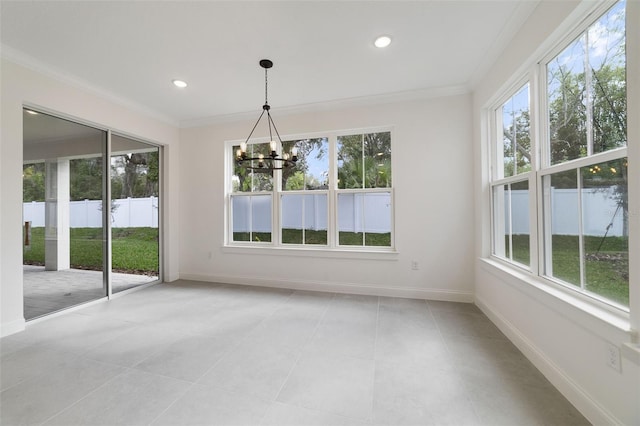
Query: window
(304, 197)
(339, 195)
(510, 188)
(364, 214)
(575, 185)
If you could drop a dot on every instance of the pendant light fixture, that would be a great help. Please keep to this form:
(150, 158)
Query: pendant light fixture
(270, 161)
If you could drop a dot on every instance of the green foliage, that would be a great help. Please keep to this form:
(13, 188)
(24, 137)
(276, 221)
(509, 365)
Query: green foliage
(364, 161)
(33, 182)
(135, 175)
(86, 179)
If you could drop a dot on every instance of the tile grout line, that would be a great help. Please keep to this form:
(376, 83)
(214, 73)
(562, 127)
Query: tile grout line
(67, 408)
(295, 364)
(375, 362)
(242, 340)
(225, 353)
(450, 352)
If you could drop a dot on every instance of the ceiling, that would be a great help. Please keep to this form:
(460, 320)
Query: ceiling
(322, 50)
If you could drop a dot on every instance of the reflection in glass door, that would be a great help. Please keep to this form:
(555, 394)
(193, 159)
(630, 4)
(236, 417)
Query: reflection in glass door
(63, 194)
(134, 215)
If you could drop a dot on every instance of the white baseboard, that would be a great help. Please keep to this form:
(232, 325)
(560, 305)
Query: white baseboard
(589, 407)
(333, 287)
(12, 327)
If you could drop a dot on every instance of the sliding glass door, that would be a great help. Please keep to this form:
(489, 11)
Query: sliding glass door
(63, 193)
(79, 243)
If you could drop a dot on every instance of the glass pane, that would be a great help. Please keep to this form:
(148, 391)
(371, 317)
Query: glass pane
(500, 234)
(135, 241)
(567, 103)
(251, 218)
(312, 169)
(519, 215)
(247, 180)
(364, 219)
(350, 224)
(241, 208)
(502, 221)
(516, 143)
(64, 241)
(606, 40)
(377, 218)
(304, 219)
(587, 91)
(350, 162)
(377, 155)
(606, 230)
(562, 245)
(292, 219)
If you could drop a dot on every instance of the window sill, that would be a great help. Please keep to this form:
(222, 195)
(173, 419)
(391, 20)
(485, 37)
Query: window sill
(320, 252)
(589, 314)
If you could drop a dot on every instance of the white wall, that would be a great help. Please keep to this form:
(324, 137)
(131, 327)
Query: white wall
(432, 158)
(20, 86)
(559, 334)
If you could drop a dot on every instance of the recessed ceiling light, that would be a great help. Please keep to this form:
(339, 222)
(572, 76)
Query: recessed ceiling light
(382, 41)
(179, 83)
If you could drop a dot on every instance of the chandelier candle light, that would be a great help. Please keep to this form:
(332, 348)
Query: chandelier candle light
(271, 161)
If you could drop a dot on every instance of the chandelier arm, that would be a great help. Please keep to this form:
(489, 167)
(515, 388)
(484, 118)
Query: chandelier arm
(254, 127)
(270, 121)
(274, 127)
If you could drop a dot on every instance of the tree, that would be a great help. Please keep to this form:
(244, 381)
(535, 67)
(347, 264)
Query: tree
(86, 179)
(588, 104)
(364, 161)
(135, 175)
(33, 182)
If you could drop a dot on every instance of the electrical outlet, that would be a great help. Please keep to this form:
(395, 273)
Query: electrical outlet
(414, 265)
(613, 357)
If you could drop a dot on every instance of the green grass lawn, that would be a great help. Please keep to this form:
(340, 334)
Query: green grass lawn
(134, 250)
(294, 236)
(606, 270)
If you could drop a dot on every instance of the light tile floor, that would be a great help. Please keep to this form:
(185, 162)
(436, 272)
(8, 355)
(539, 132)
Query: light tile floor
(51, 291)
(204, 354)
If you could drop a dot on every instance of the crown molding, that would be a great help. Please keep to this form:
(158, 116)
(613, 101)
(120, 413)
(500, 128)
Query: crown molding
(17, 57)
(409, 95)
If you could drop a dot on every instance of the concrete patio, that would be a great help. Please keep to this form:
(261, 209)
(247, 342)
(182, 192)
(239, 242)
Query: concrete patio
(50, 291)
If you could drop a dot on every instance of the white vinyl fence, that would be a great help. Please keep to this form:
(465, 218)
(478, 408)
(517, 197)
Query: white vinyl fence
(601, 205)
(370, 212)
(126, 213)
(356, 212)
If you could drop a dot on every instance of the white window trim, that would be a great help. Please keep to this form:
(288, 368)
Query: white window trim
(333, 246)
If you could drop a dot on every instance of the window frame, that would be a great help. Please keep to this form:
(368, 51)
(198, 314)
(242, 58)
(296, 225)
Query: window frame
(332, 197)
(496, 134)
(541, 166)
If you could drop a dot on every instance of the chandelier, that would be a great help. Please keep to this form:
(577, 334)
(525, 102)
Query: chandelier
(270, 161)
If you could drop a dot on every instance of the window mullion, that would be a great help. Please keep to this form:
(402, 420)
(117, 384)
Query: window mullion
(535, 133)
(332, 214)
